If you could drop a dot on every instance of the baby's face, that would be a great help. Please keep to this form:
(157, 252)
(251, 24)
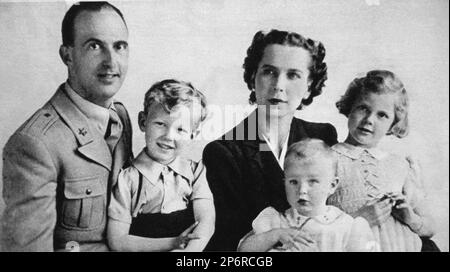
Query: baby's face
(166, 134)
(308, 184)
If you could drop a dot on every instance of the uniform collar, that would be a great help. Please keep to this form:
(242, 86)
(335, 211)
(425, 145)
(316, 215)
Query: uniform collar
(152, 169)
(97, 115)
(355, 152)
(328, 217)
(91, 143)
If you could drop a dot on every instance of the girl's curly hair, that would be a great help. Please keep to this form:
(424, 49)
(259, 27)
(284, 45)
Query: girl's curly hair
(379, 82)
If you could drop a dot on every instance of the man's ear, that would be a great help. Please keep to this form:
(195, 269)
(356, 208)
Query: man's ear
(141, 120)
(65, 52)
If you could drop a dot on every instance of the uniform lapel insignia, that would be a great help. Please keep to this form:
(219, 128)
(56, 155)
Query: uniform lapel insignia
(82, 131)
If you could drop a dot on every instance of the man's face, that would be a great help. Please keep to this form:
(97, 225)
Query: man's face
(98, 59)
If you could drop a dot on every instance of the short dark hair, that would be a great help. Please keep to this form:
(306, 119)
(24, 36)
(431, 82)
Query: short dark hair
(67, 28)
(379, 82)
(317, 68)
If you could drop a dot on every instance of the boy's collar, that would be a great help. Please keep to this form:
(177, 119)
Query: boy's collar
(355, 152)
(152, 169)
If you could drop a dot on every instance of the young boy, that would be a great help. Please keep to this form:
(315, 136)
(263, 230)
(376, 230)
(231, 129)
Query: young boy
(309, 225)
(163, 202)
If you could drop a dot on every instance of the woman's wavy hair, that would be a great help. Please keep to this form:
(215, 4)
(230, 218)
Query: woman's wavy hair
(379, 82)
(317, 68)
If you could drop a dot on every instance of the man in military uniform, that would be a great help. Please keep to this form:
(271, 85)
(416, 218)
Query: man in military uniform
(59, 166)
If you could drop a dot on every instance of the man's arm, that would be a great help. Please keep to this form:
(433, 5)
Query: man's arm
(29, 192)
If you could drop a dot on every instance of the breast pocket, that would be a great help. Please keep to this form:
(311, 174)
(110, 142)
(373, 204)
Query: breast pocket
(84, 205)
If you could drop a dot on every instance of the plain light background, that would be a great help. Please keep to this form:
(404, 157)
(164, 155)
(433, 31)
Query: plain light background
(205, 42)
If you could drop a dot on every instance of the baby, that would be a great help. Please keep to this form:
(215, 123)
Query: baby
(309, 225)
(163, 202)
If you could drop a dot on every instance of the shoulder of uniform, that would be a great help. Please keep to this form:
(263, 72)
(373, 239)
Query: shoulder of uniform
(119, 105)
(40, 121)
(121, 109)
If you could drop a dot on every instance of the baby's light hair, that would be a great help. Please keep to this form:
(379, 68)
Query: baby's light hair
(309, 149)
(171, 93)
(379, 82)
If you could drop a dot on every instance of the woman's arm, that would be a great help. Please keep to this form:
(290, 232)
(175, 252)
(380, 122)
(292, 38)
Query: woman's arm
(120, 240)
(227, 186)
(205, 215)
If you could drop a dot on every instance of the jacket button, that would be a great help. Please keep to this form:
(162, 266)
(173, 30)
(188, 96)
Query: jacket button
(88, 191)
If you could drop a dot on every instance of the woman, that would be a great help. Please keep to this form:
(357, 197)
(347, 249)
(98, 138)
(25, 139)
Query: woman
(284, 72)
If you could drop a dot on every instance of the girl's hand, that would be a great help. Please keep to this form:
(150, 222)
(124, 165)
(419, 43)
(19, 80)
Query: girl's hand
(404, 213)
(185, 237)
(300, 240)
(376, 212)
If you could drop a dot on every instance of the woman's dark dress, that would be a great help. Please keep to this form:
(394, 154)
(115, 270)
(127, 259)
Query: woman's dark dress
(245, 177)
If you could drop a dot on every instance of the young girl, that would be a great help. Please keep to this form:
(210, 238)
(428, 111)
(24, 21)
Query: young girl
(383, 188)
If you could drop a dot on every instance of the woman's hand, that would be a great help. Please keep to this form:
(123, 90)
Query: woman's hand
(184, 238)
(376, 212)
(403, 212)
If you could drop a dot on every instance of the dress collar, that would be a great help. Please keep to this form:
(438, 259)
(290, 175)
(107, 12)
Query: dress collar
(279, 157)
(328, 217)
(152, 169)
(355, 152)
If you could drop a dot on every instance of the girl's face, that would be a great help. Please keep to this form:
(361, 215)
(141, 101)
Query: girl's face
(281, 80)
(371, 118)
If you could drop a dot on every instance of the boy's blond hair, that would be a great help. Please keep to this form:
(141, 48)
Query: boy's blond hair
(171, 92)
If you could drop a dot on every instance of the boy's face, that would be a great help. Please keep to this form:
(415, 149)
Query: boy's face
(308, 184)
(166, 134)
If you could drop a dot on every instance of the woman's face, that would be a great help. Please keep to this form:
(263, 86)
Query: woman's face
(281, 80)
